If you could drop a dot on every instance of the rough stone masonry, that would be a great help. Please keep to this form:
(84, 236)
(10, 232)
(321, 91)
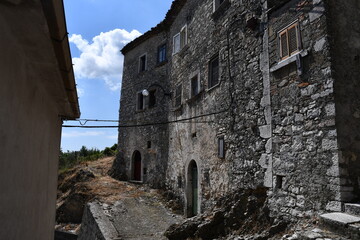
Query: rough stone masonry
(243, 94)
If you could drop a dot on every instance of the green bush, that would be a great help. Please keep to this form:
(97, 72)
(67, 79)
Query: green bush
(69, 159)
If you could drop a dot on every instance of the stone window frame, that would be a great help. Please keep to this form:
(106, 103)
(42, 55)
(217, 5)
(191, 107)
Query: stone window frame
(191, 83)
(140, 98)
(210, 71)
(284, 32)
(143, 65)
(182, 36)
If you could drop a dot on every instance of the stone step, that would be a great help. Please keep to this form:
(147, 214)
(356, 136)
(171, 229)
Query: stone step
(316, 234)
(341, 223)
(352, 208)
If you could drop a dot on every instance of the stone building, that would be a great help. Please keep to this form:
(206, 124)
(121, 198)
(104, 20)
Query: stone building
(229, 94)
(37, 91)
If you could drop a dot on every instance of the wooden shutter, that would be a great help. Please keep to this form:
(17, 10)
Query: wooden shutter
(183, 37)
(284, 51)
(293, 41)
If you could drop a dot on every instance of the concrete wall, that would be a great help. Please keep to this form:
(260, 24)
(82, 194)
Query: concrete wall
(30, 123)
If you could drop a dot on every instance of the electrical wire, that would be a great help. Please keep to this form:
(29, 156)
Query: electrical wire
(83, 122)
(183, 120)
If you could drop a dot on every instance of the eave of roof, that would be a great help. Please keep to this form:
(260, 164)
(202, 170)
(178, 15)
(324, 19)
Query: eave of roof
(55, 17)
(164, 25)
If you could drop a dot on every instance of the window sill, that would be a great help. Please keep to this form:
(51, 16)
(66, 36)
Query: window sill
(288, 60)
(221, 9)
(177, 108)
(140, 110)
(182, 50)
(194, 98)
(136, 181)
(161, 63)
(213, 87)
(142, 72)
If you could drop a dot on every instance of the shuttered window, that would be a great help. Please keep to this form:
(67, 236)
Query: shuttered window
(293, 43)
(213, 72)
(195, 85)
(289, 41)
(180, 40)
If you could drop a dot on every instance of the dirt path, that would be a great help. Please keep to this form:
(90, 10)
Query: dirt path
(129, 211)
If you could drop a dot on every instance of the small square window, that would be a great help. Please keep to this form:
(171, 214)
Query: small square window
(289, 41)
(142, 63)
(195, 85)
(279, 184)
(178, 93)
(221, 147)
(140, 102)
(152, 98)
(162, 53)
(213, 72)
(148, 144)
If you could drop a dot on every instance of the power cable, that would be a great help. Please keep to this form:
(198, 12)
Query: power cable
(83, 122)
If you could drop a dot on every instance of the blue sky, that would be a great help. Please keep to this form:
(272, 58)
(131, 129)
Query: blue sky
(98, 29)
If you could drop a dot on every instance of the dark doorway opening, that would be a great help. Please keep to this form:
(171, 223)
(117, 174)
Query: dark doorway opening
(193, 190)
(137, 166)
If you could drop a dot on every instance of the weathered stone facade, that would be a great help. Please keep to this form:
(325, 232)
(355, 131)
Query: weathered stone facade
(284, 120)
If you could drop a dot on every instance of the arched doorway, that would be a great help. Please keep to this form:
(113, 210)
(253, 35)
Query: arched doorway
(137, 166)
(192, 189)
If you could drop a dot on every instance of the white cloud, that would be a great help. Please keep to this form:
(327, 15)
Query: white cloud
(102, 58)
(82, 134)
(112, 137)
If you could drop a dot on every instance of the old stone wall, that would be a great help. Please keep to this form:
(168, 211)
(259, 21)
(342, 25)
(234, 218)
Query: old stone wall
(141, 131)
(237, 97)
(344, 35)
(283, 119)
(304, 135)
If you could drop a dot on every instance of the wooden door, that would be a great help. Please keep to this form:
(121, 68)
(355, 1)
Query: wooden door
(194, 188)
(137, 166)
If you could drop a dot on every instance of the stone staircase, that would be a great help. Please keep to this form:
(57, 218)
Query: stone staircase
(337, 225)
(345, 223)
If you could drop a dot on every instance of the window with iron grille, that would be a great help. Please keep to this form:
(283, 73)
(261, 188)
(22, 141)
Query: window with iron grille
(178, 93)
(213, 72)
(289, 41)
